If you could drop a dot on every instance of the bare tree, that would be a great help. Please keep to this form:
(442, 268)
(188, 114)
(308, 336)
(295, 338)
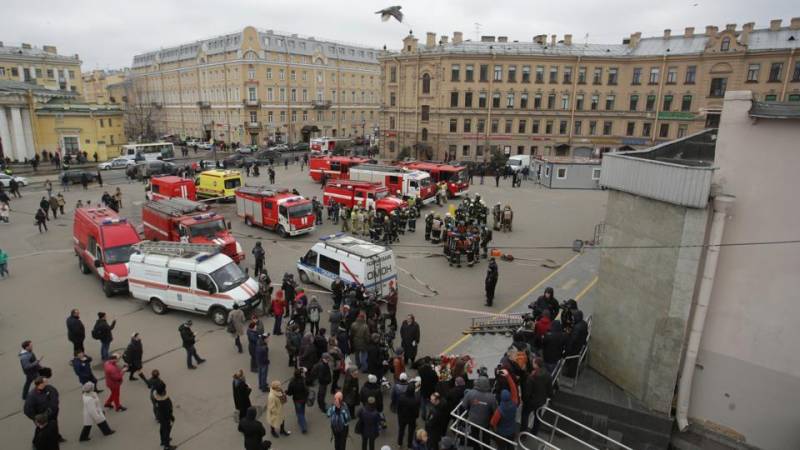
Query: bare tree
(140, 113)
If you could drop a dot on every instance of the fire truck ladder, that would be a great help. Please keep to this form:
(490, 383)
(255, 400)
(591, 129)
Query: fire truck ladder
(175, 248)
(495, 324)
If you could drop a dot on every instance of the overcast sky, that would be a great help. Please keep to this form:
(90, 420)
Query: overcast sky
(107, 33)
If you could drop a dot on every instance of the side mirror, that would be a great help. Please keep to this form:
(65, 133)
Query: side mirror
(98, 263)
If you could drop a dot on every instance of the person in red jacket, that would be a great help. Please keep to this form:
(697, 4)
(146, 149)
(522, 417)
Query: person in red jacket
(114, 381)
(541, 328)
(278, 309)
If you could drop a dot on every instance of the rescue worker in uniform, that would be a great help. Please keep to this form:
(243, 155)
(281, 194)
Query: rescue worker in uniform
(491, 281)
(436, 229)
(428, 225)
(344, 214)
(486, 237)
(411, 218)
(497, 213)
(402, 219)
(453, 250)
(508, 218)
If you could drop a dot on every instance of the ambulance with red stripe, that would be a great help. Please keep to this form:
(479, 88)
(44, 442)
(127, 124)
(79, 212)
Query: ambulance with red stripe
(197, 278)
(355, 261)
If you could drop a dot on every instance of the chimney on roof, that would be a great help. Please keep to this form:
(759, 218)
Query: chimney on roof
(747, 28)
(458, 37)
(688, 32)
(552, 40)
(487, 38)
(430, 40)
(443, 40)
(502, 38)
(49, 49)
(711, 30)
(730, 27)
(794, 24)
(567, 39)
(634, 40)
(667, 33)
(775, 25)
(26, 46)
(540, 39)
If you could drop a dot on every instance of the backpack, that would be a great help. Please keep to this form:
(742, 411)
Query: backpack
(338, 420)
(95, 332)
(126, 356)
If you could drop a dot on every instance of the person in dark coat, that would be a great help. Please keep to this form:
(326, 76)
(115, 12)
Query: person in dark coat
(252, 429)
(322, 371)
(133, 355)
(492, 276)
(553, 344)
(350, 390)
(546, 301)
(428, 381)
(46, 436)
(409, 339)
(258, 258)
(262, 362)
(155, 384)
(299, 393)
(43, 399)
(536, 389)
(374, 356)
(41, 219)
(76, 332)
(372, 389)
(102, 331)
(575, 342)
(188, 340)
(252, 343)
(437, 420)
(506, 427)
(369, 423)
(407, 413)
(82, 365)
(455, 393)
(241, 396)
(165, 418)
(30, 366)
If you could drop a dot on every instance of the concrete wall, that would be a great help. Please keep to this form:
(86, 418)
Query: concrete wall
(747, 383)
(644, 296)
(579, 176)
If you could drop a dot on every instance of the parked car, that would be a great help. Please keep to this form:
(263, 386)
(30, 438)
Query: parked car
(5, 180)
(116, 163)
(204, 146)
(280, 148)
(301, 147)
(147, 169)
(265, 156)
(75, 175)
(247, 149)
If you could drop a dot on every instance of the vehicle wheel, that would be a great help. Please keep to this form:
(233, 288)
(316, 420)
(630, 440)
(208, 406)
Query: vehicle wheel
(158, 306)
(82, 265)
(304, 277)
(107, 289)
(219, 316)
(248, 222)
(282, 231)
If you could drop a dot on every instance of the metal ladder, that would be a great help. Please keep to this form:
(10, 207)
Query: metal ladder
(495, 324)
(175, 248)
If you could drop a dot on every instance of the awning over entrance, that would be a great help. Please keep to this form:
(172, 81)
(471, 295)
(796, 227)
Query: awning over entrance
(310, 129)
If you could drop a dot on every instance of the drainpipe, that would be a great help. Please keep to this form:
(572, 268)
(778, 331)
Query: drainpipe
(721, 205)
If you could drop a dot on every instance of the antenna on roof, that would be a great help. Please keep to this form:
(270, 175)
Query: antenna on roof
(478, 32)
(586, 40)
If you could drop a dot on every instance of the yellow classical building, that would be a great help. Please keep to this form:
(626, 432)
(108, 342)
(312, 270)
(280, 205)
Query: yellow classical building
(96, 85)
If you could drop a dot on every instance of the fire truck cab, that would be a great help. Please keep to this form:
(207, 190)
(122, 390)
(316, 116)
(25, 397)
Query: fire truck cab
(334, 167)
(327, 145)
(362, 193)
(409, 183)
(275, 209)
(183, 220)
(171, 186)
(102, 242)
(454, 176)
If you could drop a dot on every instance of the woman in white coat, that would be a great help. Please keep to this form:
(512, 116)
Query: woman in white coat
(93, 413)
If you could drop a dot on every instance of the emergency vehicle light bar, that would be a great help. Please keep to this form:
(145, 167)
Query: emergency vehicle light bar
(332, 236)
(178, 249)
(205, 216)
(110, 221)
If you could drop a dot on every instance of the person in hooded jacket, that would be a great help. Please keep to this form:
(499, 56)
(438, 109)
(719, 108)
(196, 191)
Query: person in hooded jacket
(546, 301)
(398, 390)
(93, 413)
(275, 416)
(480, 404)
(536, 389)
(407, 413)
(241, 394)
(252, 429)
(553, 344)
(369, 419)
(575, 342)
(541, 328)
(350, 390)
(133, 355)
(507, 421)
(372, 389)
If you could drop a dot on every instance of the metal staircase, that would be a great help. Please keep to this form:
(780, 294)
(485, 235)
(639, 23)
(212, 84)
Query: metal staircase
(177, 249)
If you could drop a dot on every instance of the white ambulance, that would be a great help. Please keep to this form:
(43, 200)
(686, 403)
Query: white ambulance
(353, 260)
(191, 277)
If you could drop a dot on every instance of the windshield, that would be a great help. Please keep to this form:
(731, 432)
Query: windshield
(118, 255)
(228, 277)
(233, 183)
(425, 182)
(514, 162)
(300, 210)
(208, 229)
(381, 194)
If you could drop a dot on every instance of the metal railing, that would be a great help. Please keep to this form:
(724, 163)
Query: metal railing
(464, 428)
(608, 442)
(581, 357)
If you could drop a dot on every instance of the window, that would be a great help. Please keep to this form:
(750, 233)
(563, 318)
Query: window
(667, 106)
(71, 145)
(682, 130)
(596, 173)
(634, 103)
(565, 101)
(496, 100)
(612, 75)
(686, 103)
(498, 73)
(562, 127)
(663, 130)
(495, 125)
(510, 100)
(568, 75)
(718, 86)
(554, 74)
(294, 116)
(392, 99)
(391, 146)
(512, 74)
(49, 73)
(467, 126)
(179, 278)
(424, 134)
(329, 264)
(592, 127)
(534, 127)
(465, 150)
(770, 98)
(451, 151)
(482, 100)
(282, 74)
(582, 75)
(269, 117)
(775, 72)
(725, 45)
(523, 101)
(453, 99)
(595, 102)
(794, 98)
(654, 75)
(520, 149)
(636, 78)
(521, 126)
(526, 74)
(579, 102)
(251, 74)
(453, 125)
(455, 72)
(630, 129)
(484, 72)
(391, 121)
(540, 74)
(393, 74)
(547, 169)
(468, 99)
(672, 75)
(607, 128)
(610, 102)
(548, 127)
(481, 125)
(691, 74)
(752, 73)
(478, 150)
(253, 117)
(294, 95)
(796, 72)
(646, 127)
(597, 77)
(469, 73)
(204, 283)
(551, 101)
(426, 83)
(650, 105)
(509, 126)
(561, 173)
(577, 128)
(537, 101)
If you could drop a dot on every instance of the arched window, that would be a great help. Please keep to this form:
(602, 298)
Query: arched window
(426, 83)
(725, 45)
(424, 134)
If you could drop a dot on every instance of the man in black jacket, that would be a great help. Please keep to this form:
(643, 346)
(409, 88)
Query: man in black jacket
(155, 384)
(43, 399)
(188, 339)
(102, 332)
(76, 332)
(575, 342)
(409, 339)
(165, 418)
(428, 381)
(436, 422)
(258, 258)
(492, 275)
(322, 370)
(30, 366)
(536, 389)
(133, 355)
(241, 397)
(547, 301)
(253, 430)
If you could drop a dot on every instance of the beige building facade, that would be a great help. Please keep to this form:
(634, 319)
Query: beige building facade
(41, 66)
(97, 82)
(457, 99)
(258, 86)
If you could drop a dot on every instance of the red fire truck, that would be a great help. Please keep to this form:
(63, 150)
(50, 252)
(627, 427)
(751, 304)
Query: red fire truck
(335, 167)
(102, 241)
(454, 176)
(182, 220)
(400, 181)
(171, 186)
(327, 145)
(362, 193)
(275, 209)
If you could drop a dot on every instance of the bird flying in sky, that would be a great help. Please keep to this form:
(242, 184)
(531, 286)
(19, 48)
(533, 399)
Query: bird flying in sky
(392, 11)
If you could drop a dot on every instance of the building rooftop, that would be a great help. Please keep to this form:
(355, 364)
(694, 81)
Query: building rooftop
(775, 110)
(568, 160)
(11, 87)
(67, 106)
(27, 51)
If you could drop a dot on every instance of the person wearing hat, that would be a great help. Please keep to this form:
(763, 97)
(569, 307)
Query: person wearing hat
(369, 422)
(492, 276)
(241, 394)
(372, 389)
(398, 390)
(92, 413)
(252, 429)
(188, 339)
(133, 355)
(275, 417)
(262, 361)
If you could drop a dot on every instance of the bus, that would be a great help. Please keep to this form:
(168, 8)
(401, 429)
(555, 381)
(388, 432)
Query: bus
(149, 152)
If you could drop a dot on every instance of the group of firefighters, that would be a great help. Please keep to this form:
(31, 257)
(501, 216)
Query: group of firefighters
(377, 225)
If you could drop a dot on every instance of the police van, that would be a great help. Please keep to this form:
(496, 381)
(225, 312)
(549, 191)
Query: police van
(355, 261)
(196, 278)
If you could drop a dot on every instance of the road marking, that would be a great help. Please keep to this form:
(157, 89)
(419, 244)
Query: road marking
(449, 308)
(586, 289)
(460, 340)
(571, 282)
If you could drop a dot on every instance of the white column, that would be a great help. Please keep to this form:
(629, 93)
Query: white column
(18, 135)
(66, 77)
(5, 134)
(21, 73)
(27, 128)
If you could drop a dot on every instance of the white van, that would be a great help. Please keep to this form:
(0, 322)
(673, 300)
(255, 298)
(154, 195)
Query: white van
(354, 260)
(191, 277)
(517, 162)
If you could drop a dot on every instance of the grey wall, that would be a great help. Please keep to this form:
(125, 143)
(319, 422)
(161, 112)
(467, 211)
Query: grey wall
(644, 296)
(579, 176)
